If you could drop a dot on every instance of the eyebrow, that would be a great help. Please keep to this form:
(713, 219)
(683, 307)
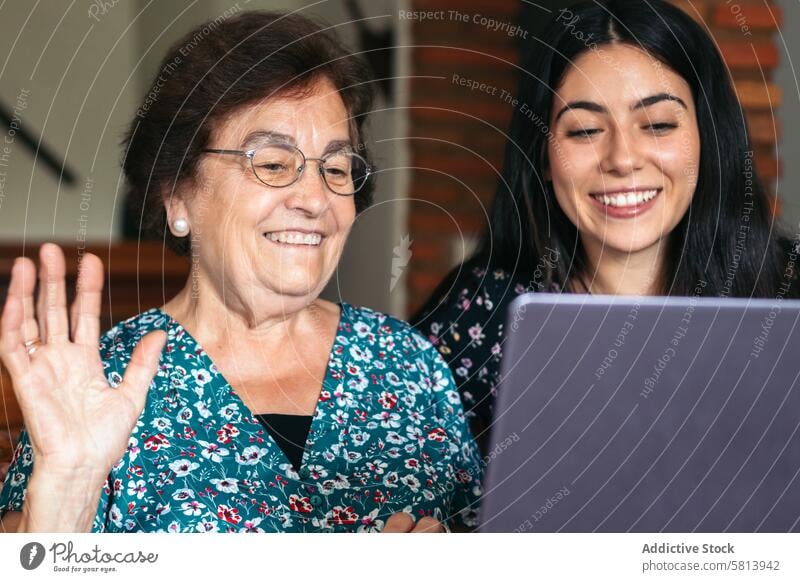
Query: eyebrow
(646, 102)
(259, 138)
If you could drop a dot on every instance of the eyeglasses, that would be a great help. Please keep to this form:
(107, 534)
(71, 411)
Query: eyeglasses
(344, 172)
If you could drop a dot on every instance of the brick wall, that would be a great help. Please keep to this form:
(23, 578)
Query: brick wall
(457, 134)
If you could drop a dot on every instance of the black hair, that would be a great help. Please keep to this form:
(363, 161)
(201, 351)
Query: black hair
(727, 242)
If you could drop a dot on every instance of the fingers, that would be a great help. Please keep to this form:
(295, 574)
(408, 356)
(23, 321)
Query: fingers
(400, 522)
(85, 312)
(12, 351)
(428, 525)
(52, 302)
(22, 285)
(142, 367)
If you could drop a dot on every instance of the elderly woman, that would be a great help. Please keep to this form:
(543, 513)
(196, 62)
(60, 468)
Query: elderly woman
(246, 402)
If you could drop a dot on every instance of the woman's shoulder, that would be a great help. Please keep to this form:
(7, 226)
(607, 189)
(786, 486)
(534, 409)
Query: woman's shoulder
(474, 288)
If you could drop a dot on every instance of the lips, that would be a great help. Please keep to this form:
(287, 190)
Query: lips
(295, 238)
(625, 203)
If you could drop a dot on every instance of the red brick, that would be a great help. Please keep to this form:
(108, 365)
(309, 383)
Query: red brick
(764, 128)
(757, 55)
(753, 16)
(489, 8)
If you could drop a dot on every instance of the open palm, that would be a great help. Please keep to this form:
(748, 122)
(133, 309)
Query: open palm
(74, 419)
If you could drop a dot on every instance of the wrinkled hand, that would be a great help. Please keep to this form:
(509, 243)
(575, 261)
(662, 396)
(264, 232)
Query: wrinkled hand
(74, 419)
(402, 522)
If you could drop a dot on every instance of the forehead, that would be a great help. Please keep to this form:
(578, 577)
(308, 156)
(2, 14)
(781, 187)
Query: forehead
(317, 114)
(619, 74)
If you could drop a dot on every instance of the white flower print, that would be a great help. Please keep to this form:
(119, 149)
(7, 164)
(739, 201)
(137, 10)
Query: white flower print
(213, 451)
(377, 467)
(227, 485)
(370, 523)
(360, 353)
(183, 467)
(391, 479)
(161, 424)
(182, 494)
(192, 507)
(411, 482)
(388, 419)
(251, 455)
(202, 408)
(202, 377)
(137, 488)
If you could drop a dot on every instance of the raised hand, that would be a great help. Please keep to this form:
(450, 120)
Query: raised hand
(76, 422)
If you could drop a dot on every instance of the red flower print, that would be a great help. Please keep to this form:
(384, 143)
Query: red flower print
(156, 442)
(437, 434)
(226, 433)
(229, 514)
(388, 400)
(300, 504)
(344, 516)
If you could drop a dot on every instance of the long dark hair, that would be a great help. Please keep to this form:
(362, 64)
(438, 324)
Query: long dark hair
(726, 241)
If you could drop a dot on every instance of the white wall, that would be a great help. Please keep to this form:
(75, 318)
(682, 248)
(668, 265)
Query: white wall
(76, 70)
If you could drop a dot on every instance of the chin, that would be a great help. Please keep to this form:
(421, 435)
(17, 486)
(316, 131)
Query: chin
(623, 245)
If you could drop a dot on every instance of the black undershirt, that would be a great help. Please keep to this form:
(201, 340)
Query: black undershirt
(290, 432)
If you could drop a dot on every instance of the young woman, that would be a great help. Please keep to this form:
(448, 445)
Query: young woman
(628, 170)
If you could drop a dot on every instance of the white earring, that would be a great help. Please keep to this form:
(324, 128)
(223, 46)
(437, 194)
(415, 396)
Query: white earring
(180, 225)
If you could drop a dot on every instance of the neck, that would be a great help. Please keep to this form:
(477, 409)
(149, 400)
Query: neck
(619, 273)
(217, 320)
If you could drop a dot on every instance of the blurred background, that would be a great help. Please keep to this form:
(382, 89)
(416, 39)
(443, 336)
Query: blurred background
(72, 75)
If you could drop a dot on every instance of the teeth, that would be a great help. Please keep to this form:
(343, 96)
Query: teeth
(295, 238)
(624, 200)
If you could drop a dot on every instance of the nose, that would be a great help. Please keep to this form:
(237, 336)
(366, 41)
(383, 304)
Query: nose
(309, 194)
(622, 155)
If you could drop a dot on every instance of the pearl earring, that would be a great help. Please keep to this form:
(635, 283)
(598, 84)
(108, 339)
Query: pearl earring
(180, 225)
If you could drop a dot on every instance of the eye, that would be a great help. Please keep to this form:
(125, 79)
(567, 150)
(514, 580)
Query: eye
(273, 167)
(583, 133)
(338, 172)
(660, 128)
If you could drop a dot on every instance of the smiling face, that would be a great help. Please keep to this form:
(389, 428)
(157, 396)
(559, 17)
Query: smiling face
(254, 243)
(625, 150)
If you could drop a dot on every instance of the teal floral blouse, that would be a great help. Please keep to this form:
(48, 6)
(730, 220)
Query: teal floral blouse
(388, 435)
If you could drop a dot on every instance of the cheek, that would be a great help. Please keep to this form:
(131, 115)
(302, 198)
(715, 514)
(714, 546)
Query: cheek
(344, 213)
(572, 171)
(678, 159)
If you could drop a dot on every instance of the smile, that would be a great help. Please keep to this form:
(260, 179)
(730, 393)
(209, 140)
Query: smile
(291, 237)
(625, 203)
(627, 199)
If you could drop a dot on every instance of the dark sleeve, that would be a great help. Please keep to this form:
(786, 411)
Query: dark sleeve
(464, 319)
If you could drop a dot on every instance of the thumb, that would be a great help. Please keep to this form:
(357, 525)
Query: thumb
(142, 367)
(400, 522)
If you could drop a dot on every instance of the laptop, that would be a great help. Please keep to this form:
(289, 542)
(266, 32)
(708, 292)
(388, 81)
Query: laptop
(646, 414)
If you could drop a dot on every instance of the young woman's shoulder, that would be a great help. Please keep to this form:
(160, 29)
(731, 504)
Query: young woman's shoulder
(464, 320)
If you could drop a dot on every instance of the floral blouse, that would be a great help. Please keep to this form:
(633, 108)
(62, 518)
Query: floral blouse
(465, 323)
(388, 435)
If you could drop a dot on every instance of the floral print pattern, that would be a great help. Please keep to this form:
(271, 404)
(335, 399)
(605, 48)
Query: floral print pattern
(389, 434)
(466, 326)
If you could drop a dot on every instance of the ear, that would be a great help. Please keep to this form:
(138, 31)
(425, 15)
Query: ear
(176, 209)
